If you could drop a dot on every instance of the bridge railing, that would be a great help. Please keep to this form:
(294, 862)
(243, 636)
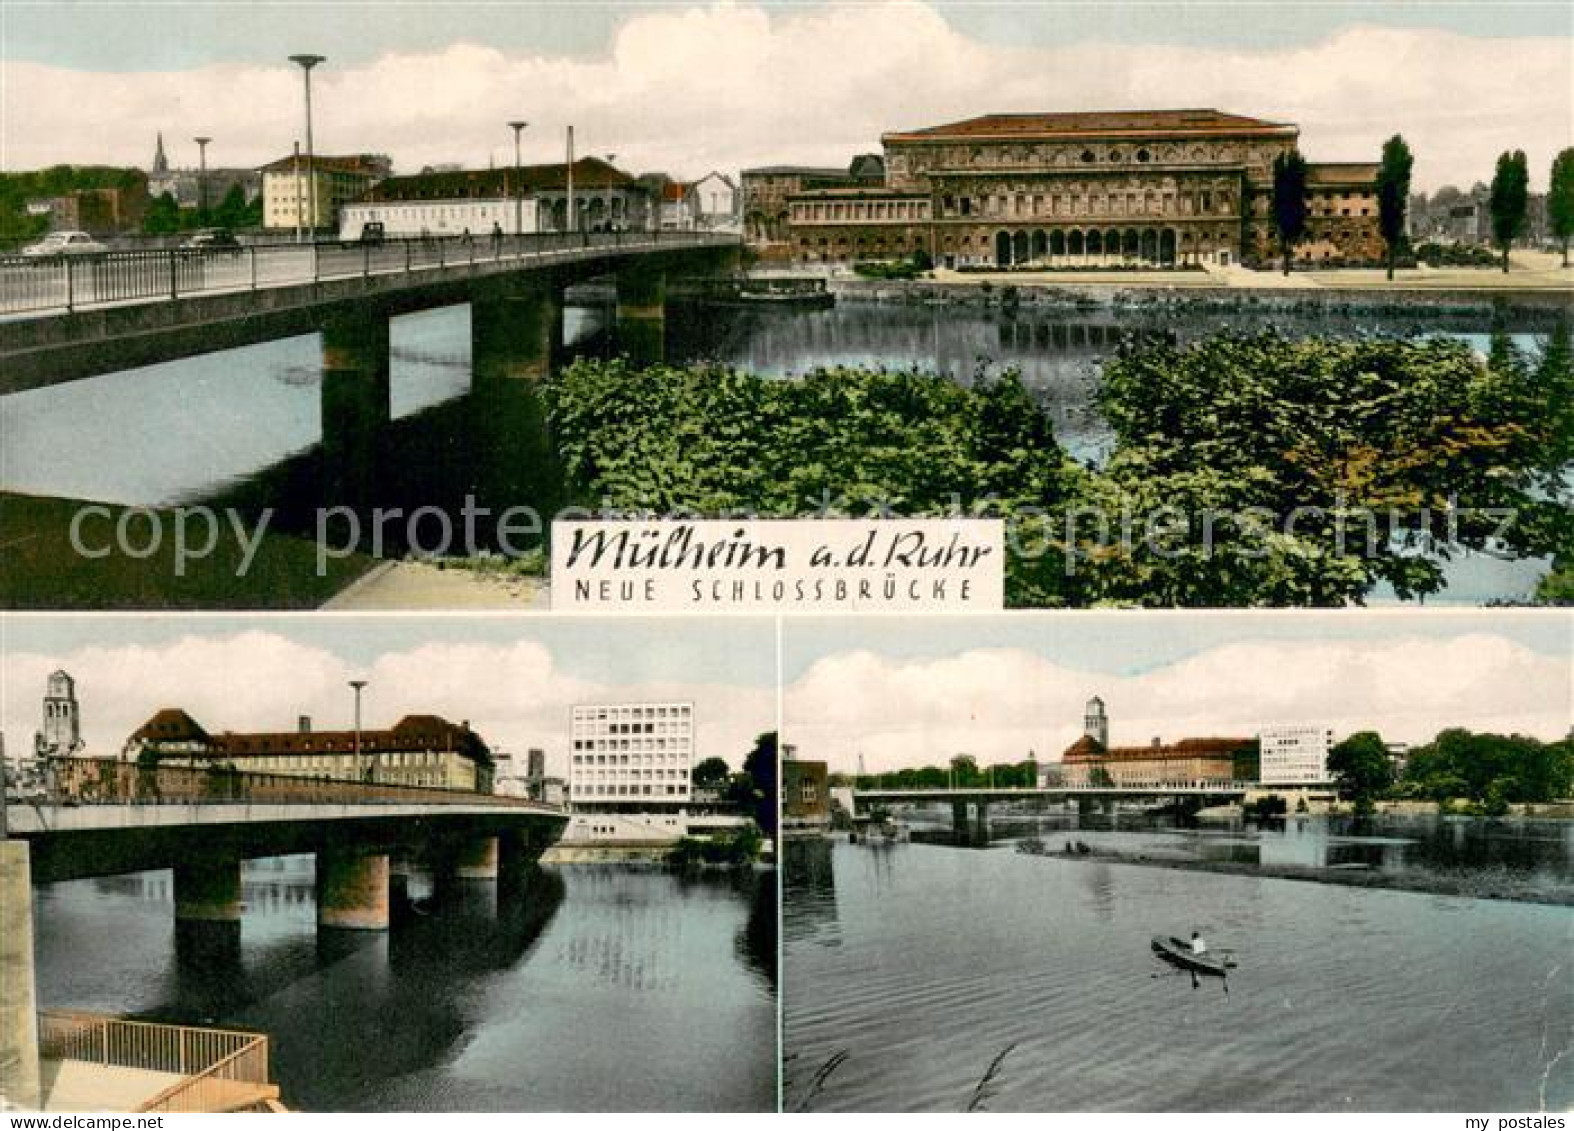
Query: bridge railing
(221, 1066)
(35, 284)
(106, 781)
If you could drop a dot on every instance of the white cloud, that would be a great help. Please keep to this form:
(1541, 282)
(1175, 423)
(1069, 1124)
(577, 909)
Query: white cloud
(730, 85)
(516, 695)
(998, 704)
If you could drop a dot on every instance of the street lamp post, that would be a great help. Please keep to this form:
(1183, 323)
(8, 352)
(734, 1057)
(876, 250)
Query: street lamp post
(306, 63)
(519, 191)
(366, 771)
(202, 176)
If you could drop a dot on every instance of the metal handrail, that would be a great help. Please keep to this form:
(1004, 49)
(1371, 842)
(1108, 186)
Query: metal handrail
(68, 283)
(207, 1058)
(200, 1093)
(108, 781)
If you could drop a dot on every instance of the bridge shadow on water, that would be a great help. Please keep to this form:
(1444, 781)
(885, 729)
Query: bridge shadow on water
(346, 1009)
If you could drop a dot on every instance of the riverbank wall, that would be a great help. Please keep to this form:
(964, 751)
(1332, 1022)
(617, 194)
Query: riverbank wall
(1498, 885)
(1536, 305)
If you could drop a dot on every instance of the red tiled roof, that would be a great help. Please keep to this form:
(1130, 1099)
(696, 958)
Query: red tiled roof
(589, 173)
(1096, 123)
(171, 724)
(364, 163)
(1086, 750)
(411, 733)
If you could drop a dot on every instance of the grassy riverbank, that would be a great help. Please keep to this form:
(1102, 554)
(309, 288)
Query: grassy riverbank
(40, 568)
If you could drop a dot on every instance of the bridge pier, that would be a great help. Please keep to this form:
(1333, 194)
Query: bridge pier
(981, 825)
(352, 890)
(20, 1083)
(208, 891)
(959, 827)
(356, 405)
(477, 859)
(515, 334)
(642, 313)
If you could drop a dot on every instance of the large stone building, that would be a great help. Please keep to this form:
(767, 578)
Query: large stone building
(419, 750)
(1086, 189)
(297, 193)
(1092, 761)
(453, 202)
(768, 191)
(1295, 755)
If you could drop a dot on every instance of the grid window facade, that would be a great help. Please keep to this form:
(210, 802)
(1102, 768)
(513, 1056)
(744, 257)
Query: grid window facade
(632, 753)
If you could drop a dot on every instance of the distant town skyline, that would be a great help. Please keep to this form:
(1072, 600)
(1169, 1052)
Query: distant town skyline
(997, 689)
(686, 88)
(515, 682)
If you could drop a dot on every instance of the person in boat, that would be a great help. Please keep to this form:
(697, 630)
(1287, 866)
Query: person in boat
(1198, 946)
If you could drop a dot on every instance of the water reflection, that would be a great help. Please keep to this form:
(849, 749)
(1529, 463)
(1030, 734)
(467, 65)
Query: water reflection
(1344, 999)
(421, 424)
(1532, 849)
(484, 996)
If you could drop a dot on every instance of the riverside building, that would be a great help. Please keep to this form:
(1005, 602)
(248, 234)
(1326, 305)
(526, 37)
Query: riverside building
(1153, 188)
(632, 756)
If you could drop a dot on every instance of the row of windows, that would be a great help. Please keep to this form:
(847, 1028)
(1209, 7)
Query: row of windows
(1136, 202)
(629, 759)
(629, 791)
(604, 714)
(620, 774)
(659, 745)
(862, 210)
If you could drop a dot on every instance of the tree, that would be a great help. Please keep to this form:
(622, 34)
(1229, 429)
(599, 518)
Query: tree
(1560, 200)
(1361, 766)
(1393, 194)
(1289, 202)
(1509, 200)
(711, 773)
(755, 788)
(162, 216)
(232, 211)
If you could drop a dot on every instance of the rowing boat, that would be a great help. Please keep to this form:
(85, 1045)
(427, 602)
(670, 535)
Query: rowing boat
(1179, 952)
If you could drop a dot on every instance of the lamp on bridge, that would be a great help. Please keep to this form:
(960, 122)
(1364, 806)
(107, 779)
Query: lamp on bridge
(306, 63)
(519, 191)
(202, 176)
(369, 772)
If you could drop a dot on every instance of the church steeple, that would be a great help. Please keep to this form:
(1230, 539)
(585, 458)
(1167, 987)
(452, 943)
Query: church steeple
(160, 162)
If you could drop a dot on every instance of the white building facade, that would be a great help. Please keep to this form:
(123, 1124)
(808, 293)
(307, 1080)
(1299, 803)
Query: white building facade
(632, 755)
(1294, 755)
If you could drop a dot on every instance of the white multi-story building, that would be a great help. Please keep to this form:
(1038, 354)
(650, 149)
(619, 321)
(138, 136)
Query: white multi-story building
(632, 755)
(1294, 755)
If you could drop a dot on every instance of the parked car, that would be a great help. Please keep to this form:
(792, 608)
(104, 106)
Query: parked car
(372, 232)
(65, 243)
(218, 239)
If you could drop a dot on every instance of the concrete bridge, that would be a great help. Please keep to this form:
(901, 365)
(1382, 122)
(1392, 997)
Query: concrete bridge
(1183, 794)
(109, 817)
(103, 817)
(69, 317)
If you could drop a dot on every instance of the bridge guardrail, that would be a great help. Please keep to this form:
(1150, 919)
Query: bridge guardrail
(106, 781)
(68, 283)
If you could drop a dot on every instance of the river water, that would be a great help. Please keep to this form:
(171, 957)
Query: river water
(909, 969)
(595, 988)
(258, 427)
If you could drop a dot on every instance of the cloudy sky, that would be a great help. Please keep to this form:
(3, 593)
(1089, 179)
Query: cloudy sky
(514, 679)
(687, 87)
(906, 692)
